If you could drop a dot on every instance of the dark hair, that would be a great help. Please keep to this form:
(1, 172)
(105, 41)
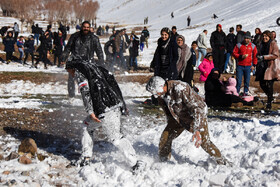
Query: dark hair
(274, 32)
(204, 30)
(231, 29)
(239, 25)
(165, 29)
(194, 42)
(268, 33)
(174, 27)
(85, 22)
(259, 30)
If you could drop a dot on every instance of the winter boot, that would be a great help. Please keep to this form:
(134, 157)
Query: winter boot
(138, 167)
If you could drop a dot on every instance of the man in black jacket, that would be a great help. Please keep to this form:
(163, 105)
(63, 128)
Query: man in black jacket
(230, 45)
(240, 35)
(218, 44)
(101, 96)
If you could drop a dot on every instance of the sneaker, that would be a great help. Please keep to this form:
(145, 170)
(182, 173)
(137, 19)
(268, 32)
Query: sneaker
(138, 167)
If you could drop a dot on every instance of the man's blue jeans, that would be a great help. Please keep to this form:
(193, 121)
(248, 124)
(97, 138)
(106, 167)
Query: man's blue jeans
(227, 60)
(240, 71)
(201, 51)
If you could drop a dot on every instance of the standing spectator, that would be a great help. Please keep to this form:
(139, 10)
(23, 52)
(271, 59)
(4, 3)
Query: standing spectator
(120, 48)
(82, 44)
(126, 51)
(20, 45)
(107, 29)
(146, 35)
(37, 33)
(245, 54)
(142, 40)
(273, 37)
(44, 49)
(230, 45)
(9, 43)
(257, 38)
(239, 34)
(193, 49)
(16, 30)
(133, 50)
(267, 70)
(49, 30)
(205, 67)
(189, 21)
(29, 49)
(99, 31)
(58, 45)
(202, 46)
(165, 57)
(172, 15)
(185, 61)
(218, 44)
(174, 34)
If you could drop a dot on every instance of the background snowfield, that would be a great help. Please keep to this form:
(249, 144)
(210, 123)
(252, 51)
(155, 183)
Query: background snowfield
(250, 141)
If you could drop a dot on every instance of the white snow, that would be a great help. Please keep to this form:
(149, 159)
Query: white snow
(251, 143)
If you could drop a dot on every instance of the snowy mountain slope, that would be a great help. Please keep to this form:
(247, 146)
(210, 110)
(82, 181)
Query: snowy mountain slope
(131, 13)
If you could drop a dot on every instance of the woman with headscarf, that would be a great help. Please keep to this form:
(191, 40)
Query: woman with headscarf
(268, 67)
(165, 57)
(184, 63)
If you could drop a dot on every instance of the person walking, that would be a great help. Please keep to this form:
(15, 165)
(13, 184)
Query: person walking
(229, 47)
(146, 34)
(245, 53)
(44, 49)
(268, 68)
(189, 114)
(9, 42)
(202, 46)
(218, 44)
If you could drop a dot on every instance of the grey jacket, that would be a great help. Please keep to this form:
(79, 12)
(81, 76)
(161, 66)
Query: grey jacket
(202, 41)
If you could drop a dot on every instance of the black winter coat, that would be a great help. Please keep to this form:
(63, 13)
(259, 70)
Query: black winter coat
(46, 44)
(29, 46)
(166, 68)
(133, 51)
(9, 43)
(218, 39)
(239, 37)
(214, 96)
(83, 46)
(58, 42)
(104, 90)
(230, 42)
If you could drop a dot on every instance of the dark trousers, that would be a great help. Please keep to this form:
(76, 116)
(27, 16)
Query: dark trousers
(219, 58)
(9, 56)
(16, 36)
(71, 85)
(57, 56)
(26, 56)
(267, 87)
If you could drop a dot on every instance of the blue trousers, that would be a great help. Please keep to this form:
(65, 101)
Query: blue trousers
(201, 51)
(240, 72)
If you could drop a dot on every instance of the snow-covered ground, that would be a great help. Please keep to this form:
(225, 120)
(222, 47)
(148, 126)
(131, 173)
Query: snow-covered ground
(251, 142)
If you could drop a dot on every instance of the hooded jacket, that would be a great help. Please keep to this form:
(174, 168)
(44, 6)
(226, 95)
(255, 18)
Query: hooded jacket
(205, 66)
(83, 46)
(104, 90)
(231, 86)
(183, 104)
(9, 43)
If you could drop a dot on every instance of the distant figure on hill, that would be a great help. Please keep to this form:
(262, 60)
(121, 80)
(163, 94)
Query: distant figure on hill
(189, 21)
(172, 15)
(214, 16)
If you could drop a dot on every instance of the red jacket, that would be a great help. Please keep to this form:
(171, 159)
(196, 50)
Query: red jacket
(241, 49)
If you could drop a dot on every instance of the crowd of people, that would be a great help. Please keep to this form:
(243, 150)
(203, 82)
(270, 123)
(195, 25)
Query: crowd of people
(243, 54)
(172, 86)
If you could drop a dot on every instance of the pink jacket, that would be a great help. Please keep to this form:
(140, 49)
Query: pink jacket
(231, 86)
(205, 68)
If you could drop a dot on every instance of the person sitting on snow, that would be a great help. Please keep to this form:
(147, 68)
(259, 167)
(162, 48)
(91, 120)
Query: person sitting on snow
(185, 110)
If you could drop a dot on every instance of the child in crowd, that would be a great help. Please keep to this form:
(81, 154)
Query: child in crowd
(230, 86)
(20, 45)
(206, 66)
